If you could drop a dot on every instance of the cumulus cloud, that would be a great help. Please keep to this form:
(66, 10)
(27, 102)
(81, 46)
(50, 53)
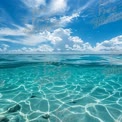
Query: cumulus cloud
(112, 45)
(59, 40)
(65, 37)
(43, 48)
(83, 48)
(59, 36)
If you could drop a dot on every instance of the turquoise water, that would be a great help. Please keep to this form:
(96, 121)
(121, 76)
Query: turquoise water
(60, 88)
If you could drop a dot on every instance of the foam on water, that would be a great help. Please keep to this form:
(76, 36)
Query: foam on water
(61, 88)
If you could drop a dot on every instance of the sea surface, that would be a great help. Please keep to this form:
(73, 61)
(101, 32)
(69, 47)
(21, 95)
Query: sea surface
(60, 88)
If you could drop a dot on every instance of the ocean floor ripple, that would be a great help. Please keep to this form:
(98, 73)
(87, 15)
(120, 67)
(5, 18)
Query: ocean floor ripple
(61, 88)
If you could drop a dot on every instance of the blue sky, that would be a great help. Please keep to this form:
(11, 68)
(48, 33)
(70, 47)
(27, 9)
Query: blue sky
(36, 26)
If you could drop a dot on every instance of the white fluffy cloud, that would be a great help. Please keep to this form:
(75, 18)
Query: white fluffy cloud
(43, 48)
(59, 36)
(65, 38)
(112, 45)
(58, 40)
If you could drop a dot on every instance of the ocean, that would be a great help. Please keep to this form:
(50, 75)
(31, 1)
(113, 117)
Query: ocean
(60, 88)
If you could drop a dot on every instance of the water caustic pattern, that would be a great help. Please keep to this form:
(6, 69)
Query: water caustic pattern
(60, 88)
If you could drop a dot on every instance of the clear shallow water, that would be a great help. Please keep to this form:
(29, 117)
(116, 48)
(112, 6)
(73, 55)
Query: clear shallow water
(61, 88)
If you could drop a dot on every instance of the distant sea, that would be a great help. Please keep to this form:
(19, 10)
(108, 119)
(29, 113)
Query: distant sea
(60, 88)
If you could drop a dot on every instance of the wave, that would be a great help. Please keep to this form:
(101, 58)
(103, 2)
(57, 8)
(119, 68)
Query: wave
(13, 61)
